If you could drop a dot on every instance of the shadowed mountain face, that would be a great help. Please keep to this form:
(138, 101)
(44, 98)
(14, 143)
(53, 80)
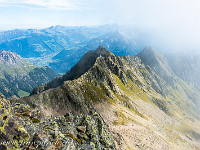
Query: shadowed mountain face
(18, 77)
(141, 99)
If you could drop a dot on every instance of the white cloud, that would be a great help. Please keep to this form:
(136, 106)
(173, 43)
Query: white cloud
(175, 22)
(51, 4)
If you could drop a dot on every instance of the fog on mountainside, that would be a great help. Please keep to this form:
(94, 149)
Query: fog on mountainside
(173, 25)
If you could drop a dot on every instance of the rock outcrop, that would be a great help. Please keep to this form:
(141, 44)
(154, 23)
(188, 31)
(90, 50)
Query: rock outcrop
(25, 128)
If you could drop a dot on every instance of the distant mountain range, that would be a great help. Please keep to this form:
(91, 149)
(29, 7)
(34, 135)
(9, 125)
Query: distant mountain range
(18, 76)
(61, 47)
(39, 43)
(117, 42)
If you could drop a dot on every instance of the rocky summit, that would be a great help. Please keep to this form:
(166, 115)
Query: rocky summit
(107, 102)
(25, 128)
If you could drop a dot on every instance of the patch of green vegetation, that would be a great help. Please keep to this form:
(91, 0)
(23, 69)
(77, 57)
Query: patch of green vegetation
(35, 120)
(93, 93)
(122, 119)
(23, 93)
(132, 89)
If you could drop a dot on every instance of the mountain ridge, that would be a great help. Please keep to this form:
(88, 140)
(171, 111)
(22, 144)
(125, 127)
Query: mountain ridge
(18, 76)
(115, 41)
(128, 93)
(83, 65)
(40, 42)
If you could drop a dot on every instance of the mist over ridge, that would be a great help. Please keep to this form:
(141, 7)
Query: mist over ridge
(173, 25)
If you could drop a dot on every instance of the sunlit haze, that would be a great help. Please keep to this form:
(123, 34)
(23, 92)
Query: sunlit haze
(175, 23)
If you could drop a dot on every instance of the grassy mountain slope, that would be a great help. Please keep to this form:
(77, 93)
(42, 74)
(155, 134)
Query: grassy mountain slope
(144, 104)
(18, 77)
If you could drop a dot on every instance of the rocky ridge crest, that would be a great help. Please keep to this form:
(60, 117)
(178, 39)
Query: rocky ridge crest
(126, 91)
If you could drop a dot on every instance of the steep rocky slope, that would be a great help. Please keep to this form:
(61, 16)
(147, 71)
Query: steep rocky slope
(18, 77)
(25, 128)
(143, 102)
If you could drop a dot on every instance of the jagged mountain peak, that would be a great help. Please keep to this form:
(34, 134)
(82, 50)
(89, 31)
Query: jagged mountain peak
(83, 65)
(118, 87)
(147, 51)
(9, 57)
(12, 63)
(150, 55)
(101, 50)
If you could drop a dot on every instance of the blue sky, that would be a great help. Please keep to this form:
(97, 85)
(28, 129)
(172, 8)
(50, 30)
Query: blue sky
(170, 18)
(177, 22)
(44, 13)
(147, 13)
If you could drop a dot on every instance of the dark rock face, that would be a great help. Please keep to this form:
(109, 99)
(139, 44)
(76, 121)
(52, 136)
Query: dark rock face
(2, 147)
